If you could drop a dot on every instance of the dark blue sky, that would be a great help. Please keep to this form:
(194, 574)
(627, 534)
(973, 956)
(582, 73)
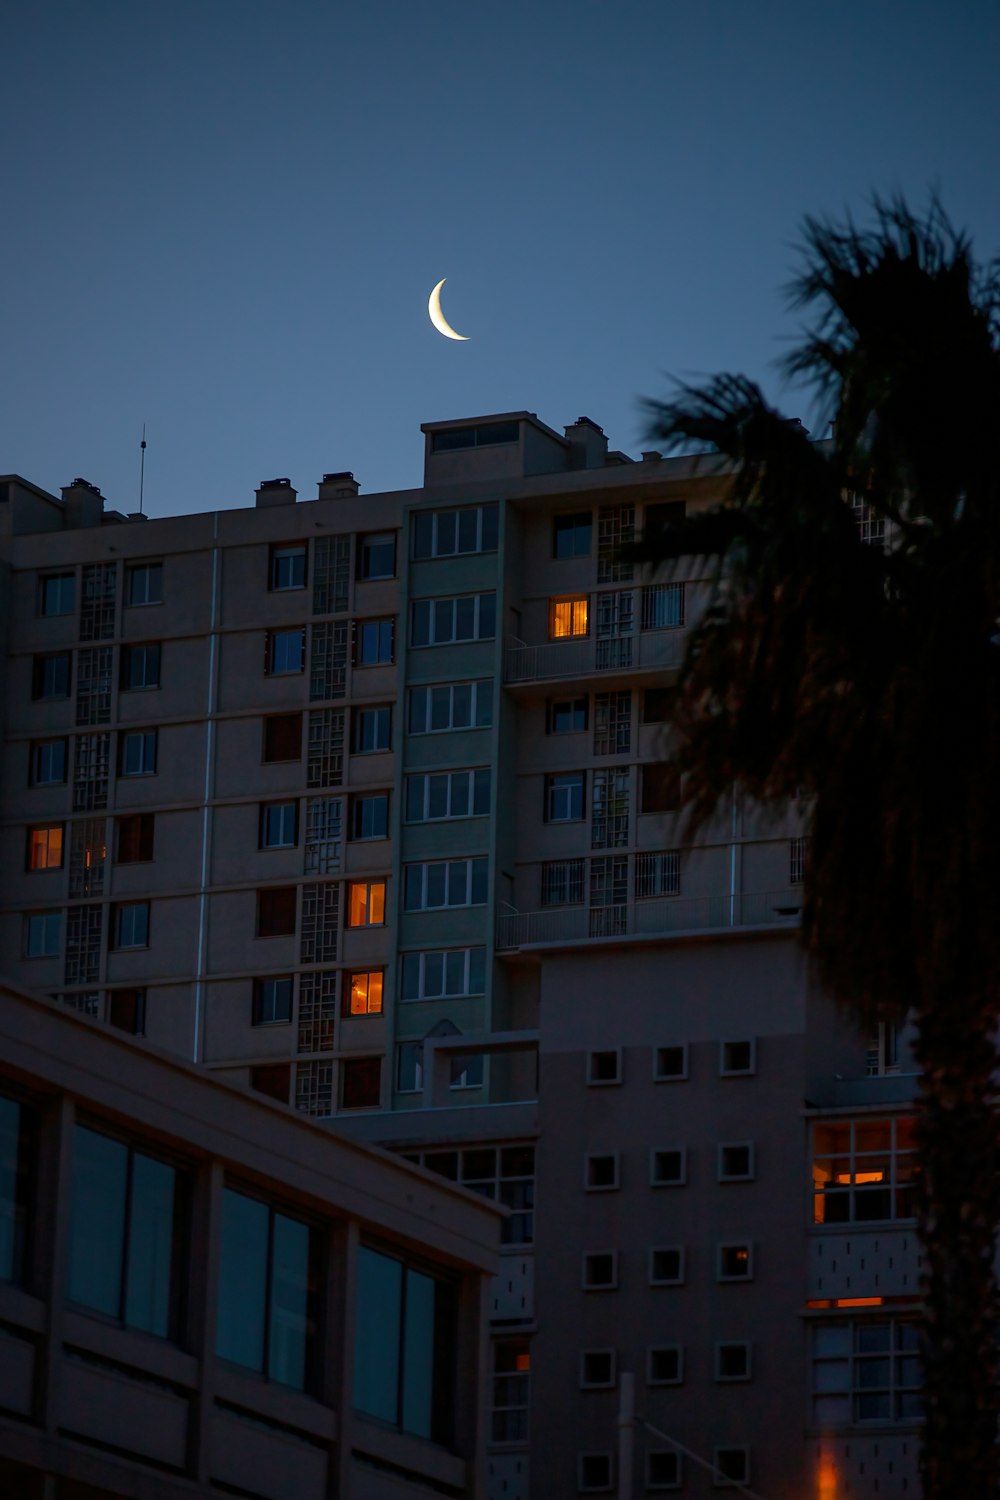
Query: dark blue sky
(224, 217)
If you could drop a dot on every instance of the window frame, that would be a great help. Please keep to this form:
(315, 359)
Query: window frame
(726, 1175)
(660, 1075)
(44, 580)
(678, 1277)
(570, 786)
(726, 1067)
(589, 1266)
(423, 633)
(384, 627)
(564, 878)
(476, 685)
(376, 711)
(362, 805)
(148, 654)
(486, 528)
(592, 1382)
(264, 1007)
(722, 1345)
(594, 1068)
(279, 554)
(277, 642)
(140, 829)
(149, 739)
(571, 523)
(36, 749)
(476, 872)
(367, 542)
(284, 812)
(732, 1277)
(652, 1379)
(578, 617)
(123, 925)
(659, 1177)
(31, 864)
(151, 570)
(421, 956)
(369, 887)
(476, 779)
(47, 682)
(347, 1005)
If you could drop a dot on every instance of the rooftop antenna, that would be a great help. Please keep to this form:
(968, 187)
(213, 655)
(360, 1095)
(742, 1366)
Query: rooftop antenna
(142, 465)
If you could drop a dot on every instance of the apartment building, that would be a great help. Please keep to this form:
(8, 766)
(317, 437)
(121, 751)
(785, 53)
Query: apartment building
(366, 802)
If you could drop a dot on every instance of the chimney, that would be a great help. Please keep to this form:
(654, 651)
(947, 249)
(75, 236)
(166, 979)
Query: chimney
(84, 504)
(339, 486)
(275, 492)
(651, 455)
(588, 445)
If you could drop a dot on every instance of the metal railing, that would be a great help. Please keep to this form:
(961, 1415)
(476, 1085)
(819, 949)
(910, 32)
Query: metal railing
(653, 918)
(587, 655)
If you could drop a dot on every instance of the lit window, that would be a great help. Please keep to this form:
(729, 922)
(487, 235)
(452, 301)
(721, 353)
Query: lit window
(734, 1262)
(272, 1001)
(140, 666)
(864, 1170)
(363, 992)
(48, 762)
(45, 847)
(137, 752)
(284, 652)
(572, 535)
(287, 567)
(568, 617)
(145, 583)
(372, 729)
(405, 1365)
(57, 594)
(373, 643)
(366, 903)
(279, 825)
(377, 555)
(42, 934)
(130, 925)
(50, 675)
(564, 797)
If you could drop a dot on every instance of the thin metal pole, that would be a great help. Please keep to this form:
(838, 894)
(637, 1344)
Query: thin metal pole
(702, 1463)
(626, 1436)
(142, 465)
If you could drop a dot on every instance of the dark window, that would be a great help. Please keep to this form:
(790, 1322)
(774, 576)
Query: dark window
(658, 705)
(373, 642)
(127, 1010)
(145, 583)
(16, 1177)
(466, 617)
(272, 1079)
(566, 715)
(661, 788)
(50, 675)
(279, 825)
(656, 518)
(272, 1001)
(268, 1307)
(671, 1062)
(276, 911)
(287, 567)
(285, 652)
(484, 436)
(404, 1366)
(453, 533)
(370, 816)
(372, 729)
(130, 925)
(135, 838)
(43, 934)
(48, 762)
(57, 594)
(361, 1083)
(377, 555)
(564, 797)
(124, 1233)
(137, 753)
(572, 535)
(282, 737)
(140, 666)
(663, 1469)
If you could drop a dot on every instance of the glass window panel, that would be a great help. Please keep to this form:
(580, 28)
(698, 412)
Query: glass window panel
(477, 971)
(376, 1349)
(872, 1338)
(423, 533)
(873, 1406)
(484, 704)
(418, 1354)
(455, 972)
(150, 1249)
(459, 794)
(11, 1208)
(421, 622)
(479, 882)
(376, 904)
(437, 796)
(468, 530)
(413, 893)
(97, 1223)
(444, 621)
(461, 716)
(287, 1335)
(436, 877)
(411, 973)
(481, 795)
(832, 1375)
(873, 1137)
(833, 1411)
(491, 526)
(415, 798)
(487, 616)
(433, 975)
(465, 618)
(458, 882)
(832, 1340)
(440, 708)
(242, 1281)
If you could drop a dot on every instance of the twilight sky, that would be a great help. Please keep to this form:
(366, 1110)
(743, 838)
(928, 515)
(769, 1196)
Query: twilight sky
(223, 217)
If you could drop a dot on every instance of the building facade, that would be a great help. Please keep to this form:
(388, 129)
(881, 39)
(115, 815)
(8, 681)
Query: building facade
(367, 803)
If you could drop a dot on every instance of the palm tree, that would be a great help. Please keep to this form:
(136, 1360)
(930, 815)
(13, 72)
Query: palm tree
(869, 675)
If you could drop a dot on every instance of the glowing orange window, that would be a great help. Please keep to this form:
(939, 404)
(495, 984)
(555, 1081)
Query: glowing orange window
(366, 903)
(364, 993)
(568, 617)
(45, 848)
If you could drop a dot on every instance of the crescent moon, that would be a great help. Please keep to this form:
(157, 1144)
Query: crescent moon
(438, 318)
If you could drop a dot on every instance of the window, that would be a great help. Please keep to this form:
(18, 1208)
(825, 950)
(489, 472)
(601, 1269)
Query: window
(48, 762)
(374, 642)
(453, 882)
(272, 1001)
(449, 533)
(124, 1233)
(145, 583)
(568, 617)
(287, 567)
(665, 1364)
(272, 1079)
(866, 1372)
(666, 1265)
(663, 606)
(670, 1063)
(127, 1010)
(506, 1174)
(663, 1469)
(736, 1161)
(372, 730)
(600, 1270)
(134, 835)
(57, 594)
(661, 788)
(668, 1167)
(363, 992)
(565, 715)
(511, 1383)
(16, 1178)
(130, 925)
(572, 535)
(140, 667)
(796, 861)
(657, 705)
(452, 705)
(601, 1172)
(282, 738)
(882, 1056)
(51, 674)
(361, 1083)
(377, 555)
(370, 815)
(486, 435)
(564, 797)
(404, 1366)
(444, 974)
(366, 903)
(43, 934)
(448, 794)
(593, 1472)
(597, 1369)
(284, 652)
(279, 825)
(734, 1262)
(276, 911)
(864, 1170)
(45, 847)
(656, 518)
(738, 1059)
(604, 1067)
(562, 883)
(732, 1361)
(732, 1466)
(657, 875)
(137, 752)
(871, 525)
(439, 622)
(268, 1291)
(612, 723)
(467, 1072)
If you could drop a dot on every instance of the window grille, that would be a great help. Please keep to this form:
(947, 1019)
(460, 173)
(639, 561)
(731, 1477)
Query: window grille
(83, 945)
(317, 1004)
(331, 575)
(609, 896)
(86, 1002)
(97, 608)
(323, 842)
(511, 1383)
(871, 526)
(325, 756)
(320, 909)
(91, 766)
(88, 852)
(657, 875)
(615, 623)
(328, 660)
(314, 1088)
(796, 861)
(609, 808)
(612, 723)
(663, 606)
(615, 529)
(94, 678)
(866, 1372)
(562, 883)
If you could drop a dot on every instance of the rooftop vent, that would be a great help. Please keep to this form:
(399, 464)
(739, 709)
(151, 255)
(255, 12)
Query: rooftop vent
(276, 492)
(338, 486)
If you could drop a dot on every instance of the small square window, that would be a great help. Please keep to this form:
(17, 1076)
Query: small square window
(738, 1059)
(666, 1265)
(732, 1361)
(272, 1001)
(361, 1083)
(272, 1079)
(604, 1067)
(51, 674)
(137, 752)
(566, 715)
(279, 825)
(282, 738)
(57, 594)
(736, 1161)
(372, 730)
(287, 567)
(130, 925)
(127, 1010)
(276, 911)
(732, 1466)
(601, 1172)
(572, 535)
(45, 847)
(377, 555)
(43, 934)
(140, 667)
(284, 652)
(48, 762)
(670, 1064)
(663, 1469)
(145, 583)
(665, 1364)
(668, 1166)
(593, 1472)
(597, 1369)
(600, 1270)
(734, 1262)
(362, 992)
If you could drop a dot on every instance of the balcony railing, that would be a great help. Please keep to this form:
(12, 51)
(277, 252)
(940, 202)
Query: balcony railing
(590, 655)
(654, 918)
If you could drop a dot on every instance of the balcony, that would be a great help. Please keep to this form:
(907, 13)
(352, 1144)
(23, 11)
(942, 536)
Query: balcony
(668, 916)
(592, 656)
